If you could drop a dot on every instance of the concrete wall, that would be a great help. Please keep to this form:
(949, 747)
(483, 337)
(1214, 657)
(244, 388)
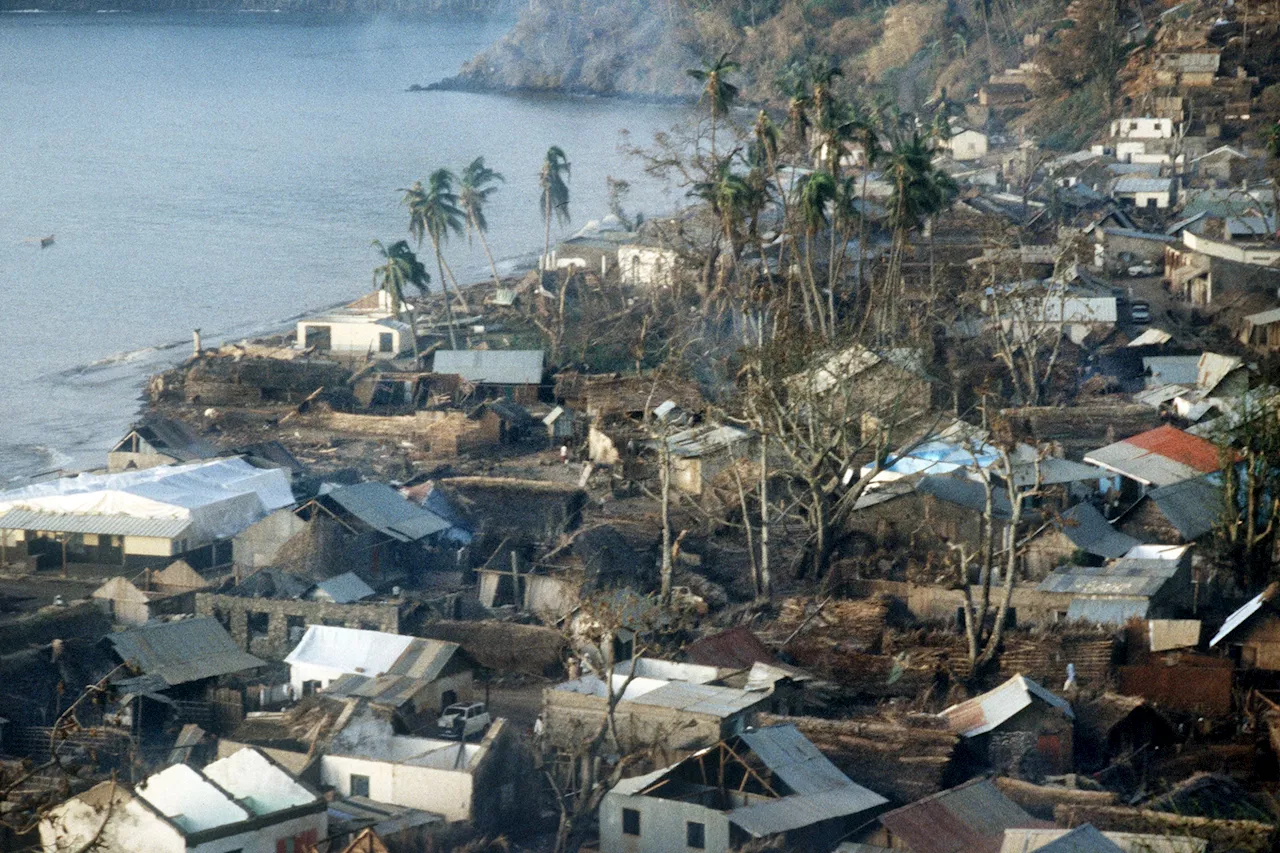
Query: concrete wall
(264, 840)
(662, 825)
(648, 266)
(72, 825)
(232, 611)
(445, 792)
(357, 337)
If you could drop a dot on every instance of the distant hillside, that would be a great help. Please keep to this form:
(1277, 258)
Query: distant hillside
(398, 7)
(909, 50)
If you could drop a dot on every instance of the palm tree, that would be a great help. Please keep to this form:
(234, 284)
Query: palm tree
(719, 92)
(920, 191)
(554, 181)
(401, 268)
(475, 186)
(434, 212)
(817, 190)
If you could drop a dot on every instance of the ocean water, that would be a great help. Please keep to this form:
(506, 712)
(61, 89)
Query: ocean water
(228, 172)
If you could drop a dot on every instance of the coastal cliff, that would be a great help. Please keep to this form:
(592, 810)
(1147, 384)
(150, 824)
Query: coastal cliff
(638, 48)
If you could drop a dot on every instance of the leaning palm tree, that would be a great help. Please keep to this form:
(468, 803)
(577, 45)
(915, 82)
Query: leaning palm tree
(475, 185)
(434, 213)
(401, 267)
(716, 89)
(554, 181)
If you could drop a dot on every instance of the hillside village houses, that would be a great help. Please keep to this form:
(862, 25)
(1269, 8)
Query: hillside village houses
(1006, 587)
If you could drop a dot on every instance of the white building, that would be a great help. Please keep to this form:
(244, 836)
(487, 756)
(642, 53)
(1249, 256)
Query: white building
(647, 266)
(146, 517)
(968, 144)
(490, 782)
(1142, 128)
(766, 784)
(327, 653)
(355, 333)
(245, 803)
(1141, 192)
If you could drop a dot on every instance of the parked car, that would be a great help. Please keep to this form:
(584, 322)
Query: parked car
(1140, 312)
(463, 720)
(1143, 269)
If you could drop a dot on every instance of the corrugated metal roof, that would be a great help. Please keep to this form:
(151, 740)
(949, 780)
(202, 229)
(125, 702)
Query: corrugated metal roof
(1194, 507)
(692, 443)
(719, 702)
(785, 814)
(1235, 620)
(1107, 611)
(495, 367)
(992, 709)
(393, 691)
(1131, 184)
(103, 525)
(1159, 457)
(1082, 839)
(965, 492)
(1135, 578)
(796, 761)
(343, 589)
(182, 651)
(372, 652)
(971, 818)
(1264, 318)
(386, 510)
(1085, 526)
(1171, 369)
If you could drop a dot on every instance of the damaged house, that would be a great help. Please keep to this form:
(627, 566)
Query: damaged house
(763, 785)
(971, 817)
(1150, 581)
(657, 709)
(369, 528)
(169, 592)
(490, 783)
(158, 441)
(268, 612)
(514, 375)
(174, 662)
(245, 802)
(1017, 722)
(361, 663)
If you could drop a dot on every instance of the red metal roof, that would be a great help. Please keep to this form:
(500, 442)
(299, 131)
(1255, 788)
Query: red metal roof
(1173, 443)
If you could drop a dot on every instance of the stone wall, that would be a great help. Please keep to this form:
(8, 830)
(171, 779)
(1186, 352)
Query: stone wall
(233, 612)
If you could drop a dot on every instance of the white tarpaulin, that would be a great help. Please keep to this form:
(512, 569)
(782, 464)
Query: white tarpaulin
(220, 498)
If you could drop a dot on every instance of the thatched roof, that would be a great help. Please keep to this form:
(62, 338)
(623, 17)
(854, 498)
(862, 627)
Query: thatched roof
(505, 646)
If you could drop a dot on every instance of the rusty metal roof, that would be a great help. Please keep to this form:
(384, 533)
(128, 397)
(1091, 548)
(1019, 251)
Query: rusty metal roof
(736, 648)
(992, 709)
(970, 818)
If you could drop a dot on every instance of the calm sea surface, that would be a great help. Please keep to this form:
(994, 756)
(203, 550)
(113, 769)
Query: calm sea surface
(228, 172)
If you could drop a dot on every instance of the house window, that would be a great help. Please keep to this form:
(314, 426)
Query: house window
(695, 835)
(359, 785)
(386, 342)
(630, 822)
(295, 627)
(257, 623)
